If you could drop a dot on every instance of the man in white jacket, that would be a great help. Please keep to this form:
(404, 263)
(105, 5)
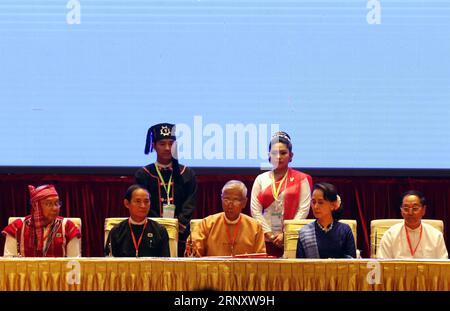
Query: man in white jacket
(412, 238)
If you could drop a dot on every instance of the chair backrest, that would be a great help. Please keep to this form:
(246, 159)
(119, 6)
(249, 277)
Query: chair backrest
(379, 226)
(292, 228)
(171, 225)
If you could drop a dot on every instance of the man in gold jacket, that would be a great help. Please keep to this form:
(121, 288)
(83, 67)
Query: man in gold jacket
(229, 233)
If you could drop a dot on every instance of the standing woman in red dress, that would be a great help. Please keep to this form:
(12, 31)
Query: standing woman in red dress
(280, 194)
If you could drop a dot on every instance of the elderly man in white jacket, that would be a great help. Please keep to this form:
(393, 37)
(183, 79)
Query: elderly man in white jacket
(412, 238)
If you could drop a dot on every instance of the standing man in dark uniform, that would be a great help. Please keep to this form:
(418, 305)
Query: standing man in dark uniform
(172, 186)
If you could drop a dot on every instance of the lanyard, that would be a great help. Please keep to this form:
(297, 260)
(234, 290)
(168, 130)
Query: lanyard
(167, 188)
(232, 241)
(409, 240)
(48, 238)
(136, 245)
(46, 232)
(276, 191)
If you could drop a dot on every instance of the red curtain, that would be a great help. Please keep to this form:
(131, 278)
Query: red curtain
(94, 198)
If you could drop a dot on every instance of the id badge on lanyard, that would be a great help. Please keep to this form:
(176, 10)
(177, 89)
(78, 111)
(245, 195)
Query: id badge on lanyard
(168, 210)
(276, 217)
(276, 220)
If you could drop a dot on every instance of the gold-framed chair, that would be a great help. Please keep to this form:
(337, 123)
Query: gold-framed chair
(292, 228)
(171, 225)
(379, 226)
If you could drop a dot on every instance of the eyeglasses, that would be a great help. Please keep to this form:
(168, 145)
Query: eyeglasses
(234, 201)
(50, 204)
(414, 208)
(139, 202)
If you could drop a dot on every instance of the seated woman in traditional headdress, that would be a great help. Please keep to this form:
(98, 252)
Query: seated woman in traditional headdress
(326, 237)
(43, 233)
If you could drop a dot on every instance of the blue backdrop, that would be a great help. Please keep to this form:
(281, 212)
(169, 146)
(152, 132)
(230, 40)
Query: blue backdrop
(357, 84)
